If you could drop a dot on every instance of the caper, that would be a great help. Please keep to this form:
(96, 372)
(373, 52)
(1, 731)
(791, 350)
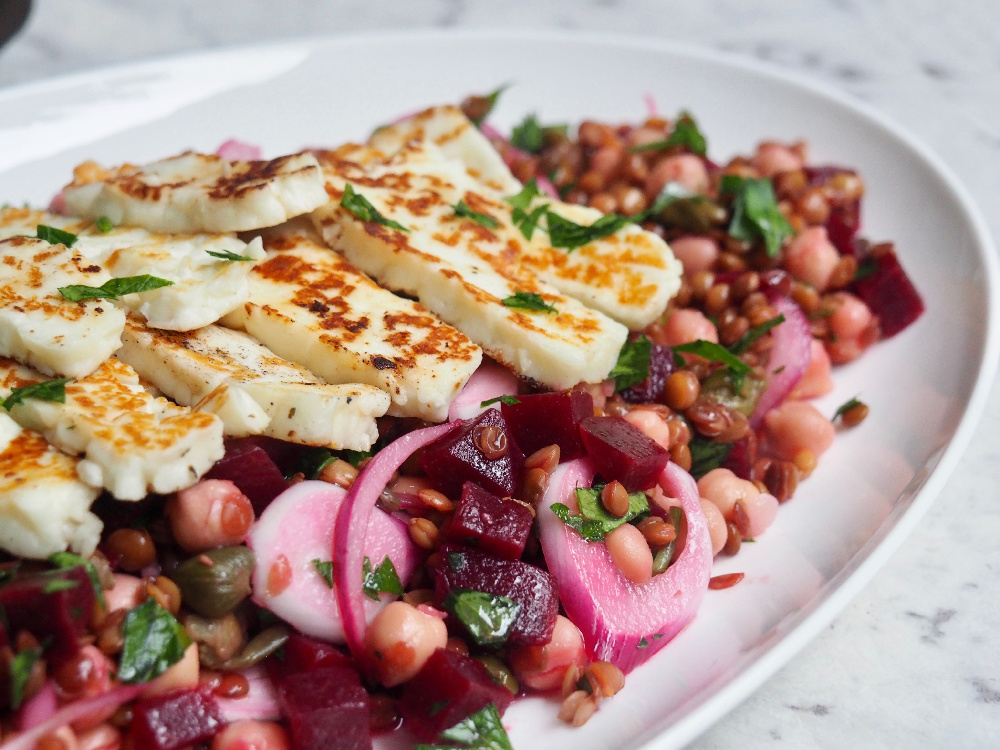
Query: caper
(215, 582)
(218, 638)
(499, 671)
(719, 386)
(697, 214)
(261, 646)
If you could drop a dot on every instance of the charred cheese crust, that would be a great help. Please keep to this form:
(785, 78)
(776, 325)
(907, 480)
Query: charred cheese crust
(310, 305)
(198, 192)
(254, 392)
(132, 443)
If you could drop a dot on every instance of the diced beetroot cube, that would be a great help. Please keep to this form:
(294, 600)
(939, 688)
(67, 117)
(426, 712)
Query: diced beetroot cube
(622, 451)
(661, 367)
(326, 709)
(489, 523)
(304, 654)
(845, 220)
(543, 419)
(742, 456)
(174, 720)
(249, 466)
(533, 588)
(888, 291)
(54, 606)
(449, 688)
(457, 458)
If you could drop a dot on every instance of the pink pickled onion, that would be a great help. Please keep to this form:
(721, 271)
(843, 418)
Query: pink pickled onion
(489, 381)
(38, 708)
(260, 703)
(352, 529)
(70, 713)
(546, 187)
(789, 357)
(652, 111)
(235, 150)
(622, 622)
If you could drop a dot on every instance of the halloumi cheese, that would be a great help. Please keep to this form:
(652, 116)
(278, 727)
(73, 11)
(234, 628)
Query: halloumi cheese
(253, 391)
(310, 305)
(205, 286)
(44, 507)
(132, 443)
(38, 326)
(198, 192)
(461, 270)
(629, 276)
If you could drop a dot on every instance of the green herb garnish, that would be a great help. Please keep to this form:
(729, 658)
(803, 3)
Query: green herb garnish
(104, 225)
(312, 461)
(325, 570)
(382, 579)
(589, 500)
(685, 134)
(528, 301)
(154, 641)
(481, 731)
(506, 400)
(463, 211)
(589, 530)
(47, 390)
(755, 212)
(632, 366)
(665, 555)
(66, 560)
(643, 643)
(489, 618)
(20, 673)
(706, 455)
(750, 337)
(713, 352)
(359, 206)
(491, 102)
(354, 458)
(227, 255)
(113, 288)
(528, 136)
(55, 236)
(525, 220)
(570, 235)
(59, 584)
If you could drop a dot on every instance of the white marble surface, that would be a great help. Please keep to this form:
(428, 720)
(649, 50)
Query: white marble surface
(914, 662)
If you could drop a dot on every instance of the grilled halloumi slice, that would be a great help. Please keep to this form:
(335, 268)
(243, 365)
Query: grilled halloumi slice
(38, 326)
(629, 276)
(457, 137)
(198, 192)
(254, 392)
(461, 270)
(205, 287)
(310, 305)
(44, 507)
(132, 443)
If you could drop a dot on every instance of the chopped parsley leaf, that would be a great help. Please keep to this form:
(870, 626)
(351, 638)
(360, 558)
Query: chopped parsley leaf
(755, 212)
(528, 301)
(325, 570)
(489, 618)
(47, 390)
(55, 236)
(360, 207)
(632, 366)
(506, 400)
(570, 235)
(463, 211)
(383, 579)
(113, 288)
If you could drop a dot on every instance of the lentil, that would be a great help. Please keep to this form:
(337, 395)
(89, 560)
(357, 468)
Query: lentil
(423, 533)
(491, 441)
(614, 498)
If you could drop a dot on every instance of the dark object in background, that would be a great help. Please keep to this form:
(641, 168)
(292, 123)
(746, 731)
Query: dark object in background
(13, 14)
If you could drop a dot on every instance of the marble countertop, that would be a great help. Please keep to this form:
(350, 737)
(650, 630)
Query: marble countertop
(914, 661)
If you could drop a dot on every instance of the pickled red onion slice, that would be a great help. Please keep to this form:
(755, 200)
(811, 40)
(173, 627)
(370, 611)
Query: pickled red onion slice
(789, 357)
(622, 622)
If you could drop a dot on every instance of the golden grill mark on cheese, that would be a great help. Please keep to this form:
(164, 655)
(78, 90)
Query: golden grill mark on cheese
(38, 327)
(252, 390)
(205, 287)
(310, 305)
(461, 272)
(132, 443)
(195, 192)
(44, 507)
(629, 276)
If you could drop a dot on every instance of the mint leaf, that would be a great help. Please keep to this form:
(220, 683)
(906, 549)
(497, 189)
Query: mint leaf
(113, 288)
(755, 212)
(227, 255)
(154, 641)
(55, 236)
(354, 458)
(489, 618)
(325, 570)
(750, 337)
(47, 390)
(570, 235)
(312, 461)
(685, 134)
(589, 500)
(506, 399)
(359, 206)
(65, 560)
(589, 530)
(528, 136)
(463, 211)
(717, 353)
(20, 673)
(383, 579)
(525, 220)
(706, 455)
(633, 363)
(481, 731)
(528, 301)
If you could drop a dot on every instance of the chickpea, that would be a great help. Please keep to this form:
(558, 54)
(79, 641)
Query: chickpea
(400, 640)
(212, 513)
(717, 531)
(542, 667)
(249, 733)
(696, 253)
(724, 489)
(796, 425)
(812, 258)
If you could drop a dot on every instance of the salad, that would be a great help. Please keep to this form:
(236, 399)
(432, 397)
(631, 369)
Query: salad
(550, 431)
